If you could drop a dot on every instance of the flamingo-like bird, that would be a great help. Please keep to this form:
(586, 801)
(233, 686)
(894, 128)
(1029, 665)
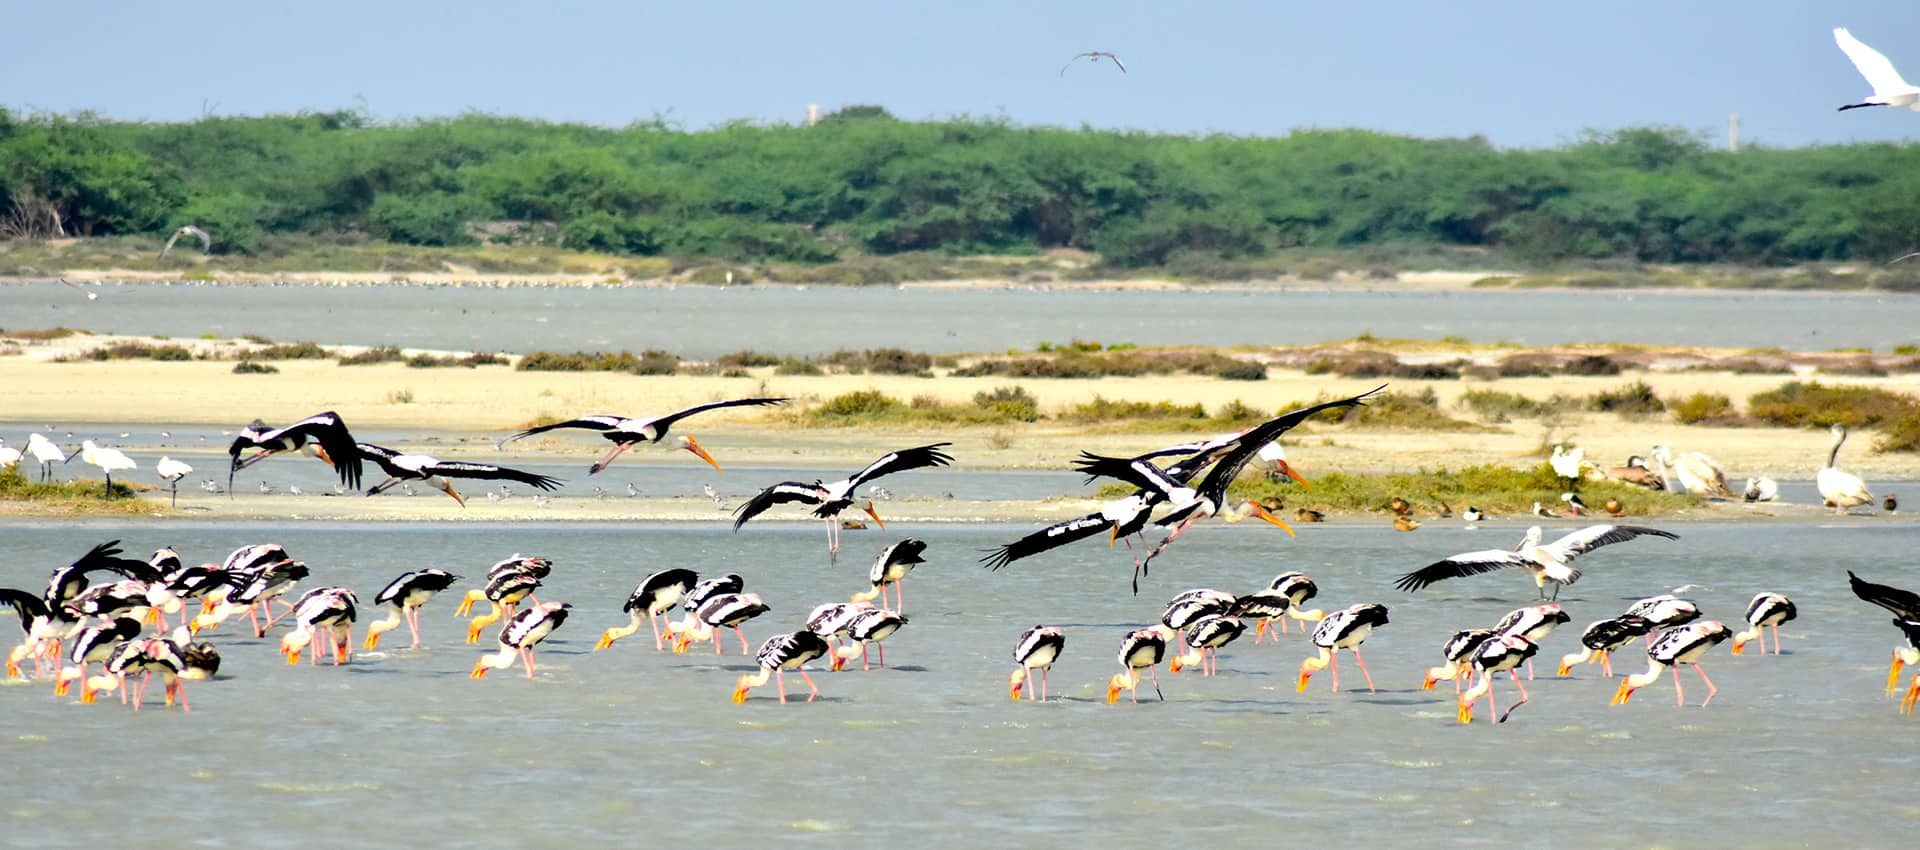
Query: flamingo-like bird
(1684, 645)
(171, 471)
(1038, 648)
(1766, 610)
(1142, 649)
(1840, 489)
(1905, 607)
(322, 609)
(1601, 638)
(108, 460)
(723, 611)
(1551, 562)
(890, 568)
(779, 654)
(1889, 88)
(403, 598)
(326, 430)
(403, 466)
(868, 627)
(829, 499)
(1343, 629)
(1093, 56)
(655, 595)
(1505, 652)
(1204, 637)
(46, 453)
(1534, 623)
(1459, 652)
(525, 631)
(625, 432)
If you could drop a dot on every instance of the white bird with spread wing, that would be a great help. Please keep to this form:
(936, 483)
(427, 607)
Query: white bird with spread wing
(206, 242)
(1889, 88)
(1549, 563)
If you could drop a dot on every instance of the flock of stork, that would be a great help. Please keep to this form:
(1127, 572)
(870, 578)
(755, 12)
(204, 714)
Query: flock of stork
(75, 623)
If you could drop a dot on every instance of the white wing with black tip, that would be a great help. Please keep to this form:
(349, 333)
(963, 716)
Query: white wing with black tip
(779, 494)
(1593, 537)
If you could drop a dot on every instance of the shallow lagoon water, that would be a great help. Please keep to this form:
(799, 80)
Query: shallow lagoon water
(1797, 750)
(704, 322)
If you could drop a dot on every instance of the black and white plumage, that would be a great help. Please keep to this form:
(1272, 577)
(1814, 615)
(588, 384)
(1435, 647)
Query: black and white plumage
(1503, 652)
(716, 612)
(525, 631)
(868, 627)
(1889, 88)
(1905, 607)
(202, 658)
(889, 568)
(625, 432)
(655, 595)
(1547, 563)
(71, 580)
(1684, 645)
(402, 598)
(402, 466)
(711, 587)
(1299, 587)
(1120, 518)
(1602, 637)
(1263, 607)
(1343, 629)
(832, 620)
(503, 592)
(779, 654)
(254, 587)
(829, 499)
(1203, 638)
(146, 657)
(1764, 611)
(1534, 623)
(327, 431)
(1142, 649)
(1665, 611)
(329, 610)
(92, 645)
(1038, 648)
(1458, 652)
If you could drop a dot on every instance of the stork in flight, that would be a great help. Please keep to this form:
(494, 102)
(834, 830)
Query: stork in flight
(1094, 57)
(829, 499)
(625, 433)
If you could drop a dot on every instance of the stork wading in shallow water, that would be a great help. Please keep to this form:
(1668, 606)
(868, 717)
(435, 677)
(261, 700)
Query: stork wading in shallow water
(1142, 649)
(1038, 648)
(1684, 645)
(1203, 638)
(1459, 652)
(1601, 638)
(508, 583)
(655, 595)
(779, 654)
(402, 598)
(716, 612)
(1665, 611)
(871, 626)
(402, 466)
(325, 431)
(1766, 610)
(625, 432)
(1534, 623)
(524, 632)
(1299, 588)
(323, 610)
(1504, 652)
(891, 568)
(1343, 629)
(829, 499)
(1548, 563)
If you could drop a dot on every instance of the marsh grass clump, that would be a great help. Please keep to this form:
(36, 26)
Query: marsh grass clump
(1499, 406)
(377, 354)
(1798, 404)
(1902, 435)
(1411, 411)
(44, 334)
(649, 362)
(291, 351)
(248, 367)
(1703, 407)
(1103, 410)
(132, 350)
(1010, 402)
(1495, 489)
(1633, 400)
(747, 359)
(83, 496)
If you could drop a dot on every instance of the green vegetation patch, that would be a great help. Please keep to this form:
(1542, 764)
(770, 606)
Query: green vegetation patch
(1799, 404)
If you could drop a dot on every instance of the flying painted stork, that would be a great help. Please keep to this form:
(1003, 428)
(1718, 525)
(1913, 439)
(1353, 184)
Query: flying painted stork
(1549, 563)
(525, 631)
(655, 595)
(1905, 607)
(326, 431)
(1684, 645)
(831, 498)
(1038, 648)
(403, 598)
(779, 654)
(1766, 610)
(402, 467)
(625, 433)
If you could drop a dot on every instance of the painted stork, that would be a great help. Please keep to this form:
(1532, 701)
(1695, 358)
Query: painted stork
(1905, 607)
(1142, 649)
(892, 565)
(1343, 629)
(327, 431)
(322, 609)
(1601, 638)
(711, 587)
(625, 433)
(402, 467)
(656, 595)
(868, 627)
(720, 611)
(403, 598)
(779, 654)
(1504, 652)
(92, 646)
(1766, 610)
(1684, 645)
(1459, 652)
(1665, 611)
(831, 498)
(1204, 637)
(1038, 648)
(146, 657)
(1549, 563)
(525, 631)
(1534, 623)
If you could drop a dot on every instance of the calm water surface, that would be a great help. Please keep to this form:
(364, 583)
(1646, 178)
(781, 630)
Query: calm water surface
(703, 322)
(400, 747)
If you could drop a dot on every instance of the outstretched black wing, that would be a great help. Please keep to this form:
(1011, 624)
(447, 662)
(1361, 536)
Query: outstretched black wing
(1228, 467)
(1460, 566)
(330, 431)
(1052, 537)
(25, 604)
(383, 457)
(1135, 471)
(778, 494)
(596, 422)
(105, 557)
(663, 423)
(917, 457)
(1904, 604)
(464, 469)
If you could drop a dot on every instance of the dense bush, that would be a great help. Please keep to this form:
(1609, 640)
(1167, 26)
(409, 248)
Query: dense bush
(1635, 399)
(1703, 407)
(1799, 404)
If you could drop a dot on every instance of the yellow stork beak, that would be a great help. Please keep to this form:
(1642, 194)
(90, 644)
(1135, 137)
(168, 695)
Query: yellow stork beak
(876, 517)
(1466, 712)
(373, 640)
(321, 453)
(1267, 515)
(1625, 693)
(740, 691)
(479, 669)
(447, 486)
(693, 445)
(1284, 468)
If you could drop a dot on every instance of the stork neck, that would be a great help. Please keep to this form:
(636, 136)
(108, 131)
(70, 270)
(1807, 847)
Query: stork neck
(1641, 680)
(1833, 451)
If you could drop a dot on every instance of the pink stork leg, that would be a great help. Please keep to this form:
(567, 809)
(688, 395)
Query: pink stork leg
(526, 654)
(654, 620)
(617, 449)
(1363, 669)
(1043, 683)
(780, 681)
(1523, 698)
(1679, 696)
(1776, 639)
(1606, 662)
(1711, 690)
(812, 689)
(743, 641)
(1334, 661)
(413, 625)
(1493, 705)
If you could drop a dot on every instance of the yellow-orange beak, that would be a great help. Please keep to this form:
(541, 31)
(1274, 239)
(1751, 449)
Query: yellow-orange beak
(1267, 515)
(693, 445)
(293, 657)
(321, 453)
(1304, 676)
(473, 632)
(1013, 691)
(1466, 712)
(447, 486)
(153, 616)
(1428, 684)
(740, 691)
(1893, 673)
(373, 640)
(1113, 691)
(838, 663)
(1625, 693)
(466, 604)
(479, 670)
(1113, 535)
(1913, 697)
(876, 517)
(1566, 669)
(680, 642)
(1174, 665)
(606, 640)
(1284, 468)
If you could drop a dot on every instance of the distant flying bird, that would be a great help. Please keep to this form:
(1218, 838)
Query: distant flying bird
(91, 295)
(1889, 89)
(830, 498)
(625, 433)
(206, 242)
(1094, 56)
(1548, 563)
(401, 466)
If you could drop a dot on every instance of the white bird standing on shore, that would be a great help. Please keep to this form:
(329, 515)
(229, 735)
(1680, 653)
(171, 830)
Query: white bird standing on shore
(1889, 88)
(44, 451)
(171, 471)
(108, 460)
(1841, 490)
(8, 455)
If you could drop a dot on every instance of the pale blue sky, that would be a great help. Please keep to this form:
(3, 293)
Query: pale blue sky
(1522, 73)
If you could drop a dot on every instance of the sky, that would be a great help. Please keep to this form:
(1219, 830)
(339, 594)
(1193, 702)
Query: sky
(1522, 74)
